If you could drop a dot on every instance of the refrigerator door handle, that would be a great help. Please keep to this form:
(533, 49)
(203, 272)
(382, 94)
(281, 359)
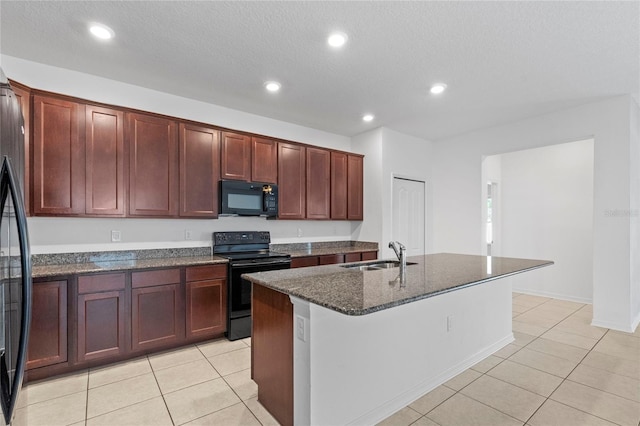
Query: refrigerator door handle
(9, 186)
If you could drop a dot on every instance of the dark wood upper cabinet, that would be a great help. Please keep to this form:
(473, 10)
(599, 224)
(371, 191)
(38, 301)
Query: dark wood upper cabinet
(318, 183)
(291, 181)
(235, 160)
(23, 95)
(199, 171)
(264, 160)
(105, 165)
(153, 165)
(338, 185)
(354, 187)
(58, 157)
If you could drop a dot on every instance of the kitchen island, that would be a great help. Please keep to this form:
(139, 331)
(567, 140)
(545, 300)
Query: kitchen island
(337, 345)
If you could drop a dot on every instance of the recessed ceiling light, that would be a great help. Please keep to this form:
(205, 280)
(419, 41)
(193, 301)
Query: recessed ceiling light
(438, 88)
(367, 117)
(337, 39)
(101, 31)
(272, 86)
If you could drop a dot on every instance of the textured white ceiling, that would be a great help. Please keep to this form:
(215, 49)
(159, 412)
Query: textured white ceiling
(502, 61)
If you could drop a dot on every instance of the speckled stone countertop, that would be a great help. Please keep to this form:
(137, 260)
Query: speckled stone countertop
(50, 265)
(355, 292)
(322, 248)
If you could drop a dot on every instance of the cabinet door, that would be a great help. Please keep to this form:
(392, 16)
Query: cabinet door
(48, 333)
(157, 309)
(338, 185)
(235, 160)
(153, 165)
(354, 187)
(104, 161)
(291, 181)
(318, 183)
(58, 157)
(206, 308)
(24, 99)
(199, 171)
(101, 325)
(264, 160)
(156, 317)
(101, 316)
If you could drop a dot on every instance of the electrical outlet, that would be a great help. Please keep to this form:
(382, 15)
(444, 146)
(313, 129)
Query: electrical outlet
(116, 236)
(299, 232)
(300, 331)
(188, 234)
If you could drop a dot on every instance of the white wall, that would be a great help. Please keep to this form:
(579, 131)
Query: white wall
(67, 234)
(547, 213)
(390, 153)
(457, 174)
(370, 145)
(634, 211)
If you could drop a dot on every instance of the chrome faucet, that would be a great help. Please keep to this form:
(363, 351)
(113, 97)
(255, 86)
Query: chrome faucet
(401, 253)
(400, 250)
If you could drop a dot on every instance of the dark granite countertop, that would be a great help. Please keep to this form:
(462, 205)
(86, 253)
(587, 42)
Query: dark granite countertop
(120, 265)
(55, 264)
(355, 292)
(324, 248)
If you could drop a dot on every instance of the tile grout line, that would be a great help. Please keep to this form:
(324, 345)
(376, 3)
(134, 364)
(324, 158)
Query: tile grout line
(227, 383)
(164, 401)
(562, 382)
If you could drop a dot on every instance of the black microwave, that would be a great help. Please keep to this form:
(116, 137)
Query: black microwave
(238, 198)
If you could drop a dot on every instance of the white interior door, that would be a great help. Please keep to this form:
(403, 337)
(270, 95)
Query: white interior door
(408, 214)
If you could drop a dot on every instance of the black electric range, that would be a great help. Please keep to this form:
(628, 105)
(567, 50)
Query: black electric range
(247, 252)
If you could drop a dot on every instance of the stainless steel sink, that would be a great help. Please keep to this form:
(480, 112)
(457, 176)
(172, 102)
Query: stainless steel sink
(376, 266)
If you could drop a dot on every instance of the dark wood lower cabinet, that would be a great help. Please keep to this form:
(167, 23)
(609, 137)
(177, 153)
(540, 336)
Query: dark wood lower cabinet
(206, 301)
(330, 259)
(93, 319)
(48, 334)
(272, 351)
(302, 262)
(157, 317)
(369, 255)
(101, 317)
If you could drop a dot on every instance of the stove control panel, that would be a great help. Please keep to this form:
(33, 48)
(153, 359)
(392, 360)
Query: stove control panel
(238, 238)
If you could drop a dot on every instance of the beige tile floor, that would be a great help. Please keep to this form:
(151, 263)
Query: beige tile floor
(559, 371)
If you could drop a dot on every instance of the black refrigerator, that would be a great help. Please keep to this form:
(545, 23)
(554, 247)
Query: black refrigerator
(15, 258)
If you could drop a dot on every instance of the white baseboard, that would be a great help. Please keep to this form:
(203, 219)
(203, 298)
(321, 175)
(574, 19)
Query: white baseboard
(382, 412)
(554, 295)
(613, 325)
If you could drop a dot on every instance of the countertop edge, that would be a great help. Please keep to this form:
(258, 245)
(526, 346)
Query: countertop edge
(370, 310)
(46, 271)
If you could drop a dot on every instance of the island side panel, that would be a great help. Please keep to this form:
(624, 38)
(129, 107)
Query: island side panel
(272, 351)
(361, 369)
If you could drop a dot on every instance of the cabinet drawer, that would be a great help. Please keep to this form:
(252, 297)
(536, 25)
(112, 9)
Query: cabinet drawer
(369, 255)
(301, 262)
(330, 259)
(153, 278)
(352, 257)
(199, 273)
(102, 282)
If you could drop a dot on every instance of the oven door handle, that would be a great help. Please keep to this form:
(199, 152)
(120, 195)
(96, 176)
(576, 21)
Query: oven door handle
(260, 263)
